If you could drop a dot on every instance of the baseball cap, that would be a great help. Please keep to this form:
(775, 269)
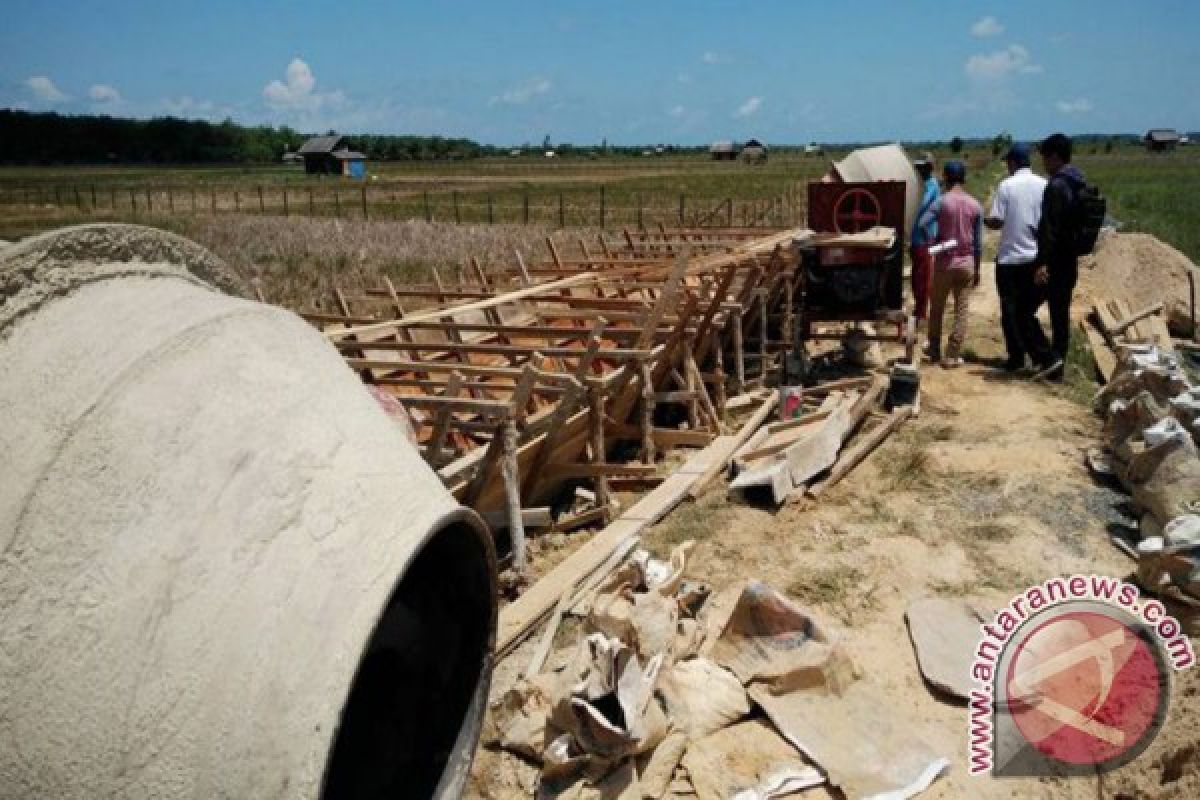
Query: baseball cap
(1018, 152)
(955, 169)
(924, 160)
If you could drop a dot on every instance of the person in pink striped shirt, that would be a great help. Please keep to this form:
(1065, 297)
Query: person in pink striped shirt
(956, 271)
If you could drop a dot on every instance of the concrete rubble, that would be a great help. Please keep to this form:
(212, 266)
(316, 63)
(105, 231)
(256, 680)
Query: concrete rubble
(671, 692)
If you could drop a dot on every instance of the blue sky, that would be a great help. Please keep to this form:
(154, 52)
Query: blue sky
(628, 72)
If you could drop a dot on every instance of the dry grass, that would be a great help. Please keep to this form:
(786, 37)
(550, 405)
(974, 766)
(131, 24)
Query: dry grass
(696, 521)
(297, 262)
(841, 589)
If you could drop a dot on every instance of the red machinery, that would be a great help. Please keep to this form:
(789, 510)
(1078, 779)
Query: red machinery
(852, 267)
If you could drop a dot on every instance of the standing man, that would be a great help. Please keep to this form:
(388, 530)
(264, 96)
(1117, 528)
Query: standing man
(959, 220)
(1016, 211)
(924, 233)
(1056, 268)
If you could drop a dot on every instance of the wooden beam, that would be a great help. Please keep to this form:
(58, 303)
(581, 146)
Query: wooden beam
(441, 425)
(863, 448)
(587, 470)
(731, 444)
(566, 405)
(1122, 325)
(498, 300)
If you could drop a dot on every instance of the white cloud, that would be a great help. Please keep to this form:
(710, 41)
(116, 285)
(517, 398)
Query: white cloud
(298, 91)
(1080, 105)
(104, 94)
(683, 78)
(521, 94)
(677, 111)
(712, 57)
(986, 27)
(44, 89)
(1013, 60)
(749, 107)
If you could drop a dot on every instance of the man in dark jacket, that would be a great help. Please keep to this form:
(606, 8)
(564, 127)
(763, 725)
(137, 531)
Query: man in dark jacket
(1057, 266)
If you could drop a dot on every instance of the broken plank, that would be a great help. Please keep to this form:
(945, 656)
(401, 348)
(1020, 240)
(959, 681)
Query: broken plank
(530, 517)
(1120, 326)
(858, 453)
(520, 616)
(730, 444)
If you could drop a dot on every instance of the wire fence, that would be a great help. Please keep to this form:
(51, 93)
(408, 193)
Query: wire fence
(593, 207)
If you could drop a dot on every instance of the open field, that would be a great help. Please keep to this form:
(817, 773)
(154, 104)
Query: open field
(1157, 194)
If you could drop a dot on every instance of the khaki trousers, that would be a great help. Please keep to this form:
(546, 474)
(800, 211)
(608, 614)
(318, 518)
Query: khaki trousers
(948, 282)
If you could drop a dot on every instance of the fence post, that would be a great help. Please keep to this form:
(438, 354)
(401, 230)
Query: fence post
(602, 209)
(262, 206)
(337, 203)
(149, 200)
(364, 200)
(170, 200)
(562, 212)
(212, 196)
(93, 196)
(682, 204)
(78, 199)
(193, 199)
(57, 197)
(491, 216)
(525, 201)
(639, 210)
(311, 212)
(285, 203)
(237, 200)
(428, 210)
(729, 213)
(457, 213)
(133, 202)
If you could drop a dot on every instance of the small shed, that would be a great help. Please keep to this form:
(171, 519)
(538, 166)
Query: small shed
(754, 152)
(1160, 140)
(318, 155)
(353, 163)
(723, 150)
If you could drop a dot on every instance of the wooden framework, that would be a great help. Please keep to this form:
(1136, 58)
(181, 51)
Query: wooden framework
(523, 378)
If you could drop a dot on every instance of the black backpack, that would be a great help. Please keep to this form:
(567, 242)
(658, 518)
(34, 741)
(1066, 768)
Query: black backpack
(1090, 211)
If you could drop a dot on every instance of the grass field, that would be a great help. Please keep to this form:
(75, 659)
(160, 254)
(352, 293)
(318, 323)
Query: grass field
(1159, 194)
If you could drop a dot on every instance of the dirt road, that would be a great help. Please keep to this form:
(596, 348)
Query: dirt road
(983, 495)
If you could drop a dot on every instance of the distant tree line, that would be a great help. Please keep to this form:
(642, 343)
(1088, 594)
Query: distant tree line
(49, 138)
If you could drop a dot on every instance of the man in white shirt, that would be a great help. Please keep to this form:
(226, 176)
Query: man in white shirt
(1016, 212)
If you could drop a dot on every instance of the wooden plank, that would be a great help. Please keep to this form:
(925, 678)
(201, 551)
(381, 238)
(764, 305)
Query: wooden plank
(587, 470)
(863, 448)
(492, 302)
(1106, 360)
(616, 354)
(521, 615)
(566, 405)
(520, 400)
(1121, 326)
(726, 446)
(530, 517)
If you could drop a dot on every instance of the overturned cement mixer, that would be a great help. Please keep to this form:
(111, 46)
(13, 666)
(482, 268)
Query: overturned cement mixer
(224, 572)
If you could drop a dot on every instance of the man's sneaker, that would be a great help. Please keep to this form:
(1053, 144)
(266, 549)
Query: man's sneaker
(1052, 373)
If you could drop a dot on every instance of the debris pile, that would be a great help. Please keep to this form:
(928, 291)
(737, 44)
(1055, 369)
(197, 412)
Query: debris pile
(808, 449)
(1152, 420)
(1143, 270)
(672, 691)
